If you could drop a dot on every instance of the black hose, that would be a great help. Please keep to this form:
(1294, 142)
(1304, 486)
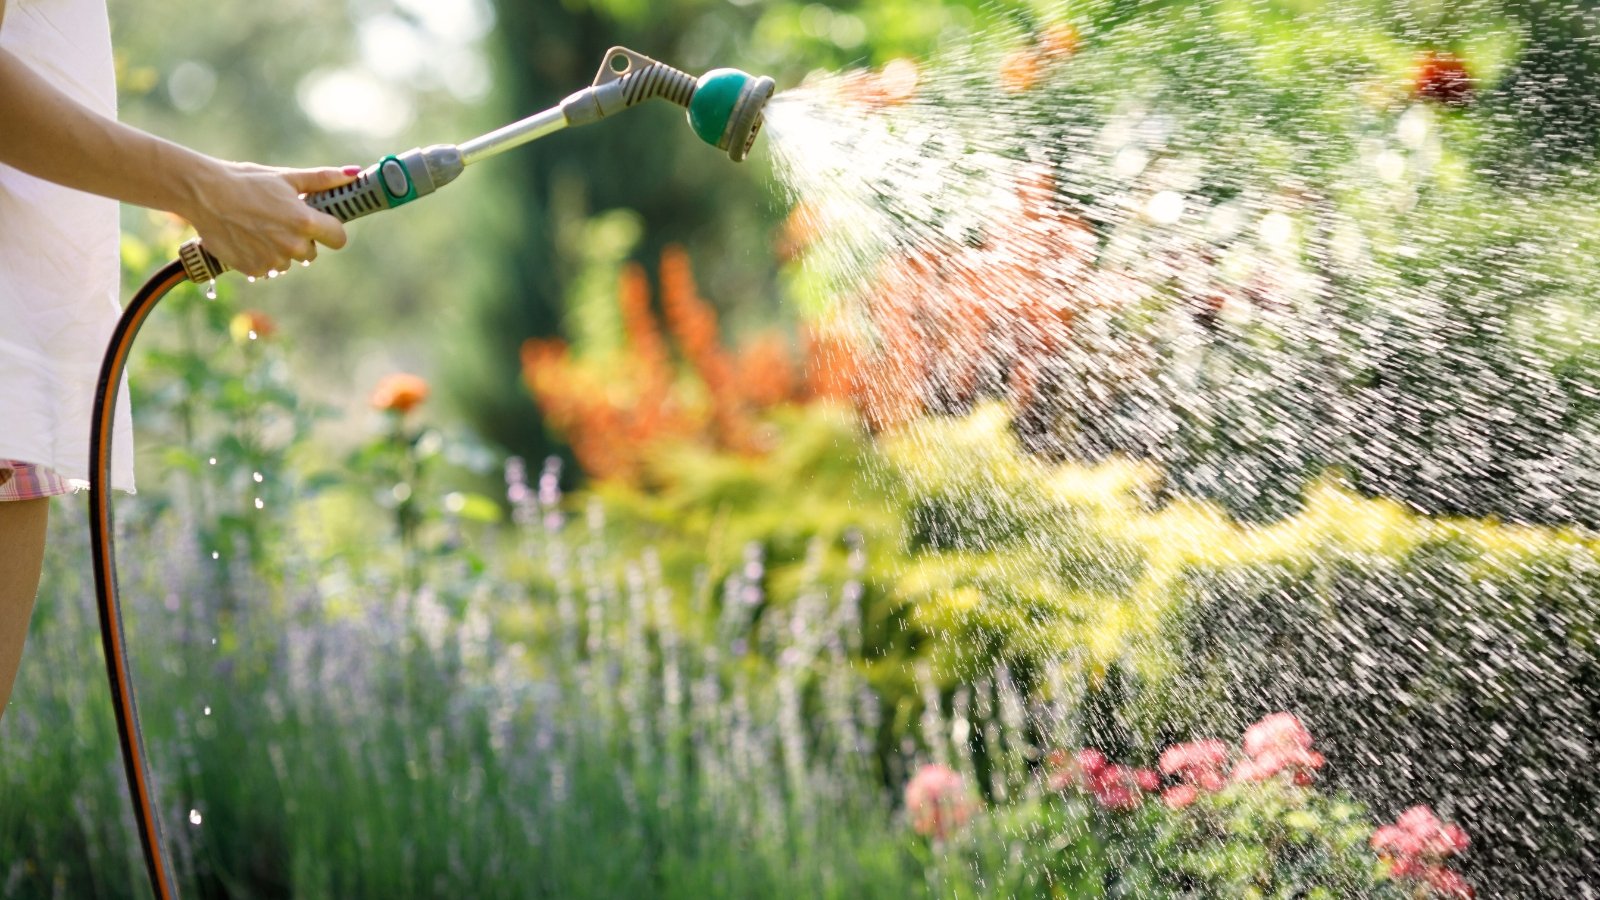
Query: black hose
(118, 670)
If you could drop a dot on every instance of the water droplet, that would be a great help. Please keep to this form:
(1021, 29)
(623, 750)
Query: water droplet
(194, 817)
(305, 263)
(259, 503)
(212, 460)
(1130, 161)
(257, 476)
(272, 273)
(215, 555)
(1391, 166)
(252, 334)
(208, 710)
(1165, 208)
(211, 290)
(1276, 229)
(250, 278)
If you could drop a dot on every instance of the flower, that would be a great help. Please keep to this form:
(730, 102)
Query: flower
(399, 393)
(1179, 796)
(1442, 78)
(1447, 882)
(1147, 779)
(1090, 761)
(937, 801)
(1074, 769)
(1281, 731)
(251, 325)
(1115, 787)
(1416, 846)
(1020, 70)
(1058, 41)
(1196, 760)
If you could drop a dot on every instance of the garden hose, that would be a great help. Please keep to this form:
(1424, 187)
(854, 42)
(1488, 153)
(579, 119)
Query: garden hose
(725, 108)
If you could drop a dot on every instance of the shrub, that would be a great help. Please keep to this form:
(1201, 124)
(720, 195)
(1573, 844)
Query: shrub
(1445, 659)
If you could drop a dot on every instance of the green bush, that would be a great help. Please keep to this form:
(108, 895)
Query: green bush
(1447, 661)
(1457, 661)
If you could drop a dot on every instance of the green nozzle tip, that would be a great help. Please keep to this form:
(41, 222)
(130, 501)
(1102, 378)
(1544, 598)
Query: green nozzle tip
(726, 108)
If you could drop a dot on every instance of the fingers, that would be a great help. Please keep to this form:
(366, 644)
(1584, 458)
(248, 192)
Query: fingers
(325, 229)
(308, 181)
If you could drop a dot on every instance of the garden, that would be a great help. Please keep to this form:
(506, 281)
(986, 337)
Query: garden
(1092, 449)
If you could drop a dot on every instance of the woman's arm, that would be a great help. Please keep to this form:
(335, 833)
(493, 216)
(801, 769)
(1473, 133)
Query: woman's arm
(250, 217)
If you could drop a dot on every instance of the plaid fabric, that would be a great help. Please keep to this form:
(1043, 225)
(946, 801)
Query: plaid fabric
(25, 481)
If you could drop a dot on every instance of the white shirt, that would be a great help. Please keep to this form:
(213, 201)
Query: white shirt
(59, 261)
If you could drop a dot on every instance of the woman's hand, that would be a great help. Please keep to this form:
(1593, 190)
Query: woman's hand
(253, 218)
(250, 217)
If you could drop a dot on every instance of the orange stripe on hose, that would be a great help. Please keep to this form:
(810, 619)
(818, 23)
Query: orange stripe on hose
(132, 739)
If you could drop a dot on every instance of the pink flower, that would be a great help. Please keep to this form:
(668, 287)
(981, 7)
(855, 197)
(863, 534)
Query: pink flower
(1447, 882)
(1179, 796)
(1090, 761)
(1279, 743)
(1280, 730)
(1147, 779)
(1419, 820)
(1115, 787)
(937, 801)
(1415, 847)
(1074, 769)
(1192, 760)
(1250, 771)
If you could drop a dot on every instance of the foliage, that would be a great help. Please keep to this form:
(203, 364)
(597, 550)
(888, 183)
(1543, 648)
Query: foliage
(1227, 824)
(1455, 658)
(619, 408)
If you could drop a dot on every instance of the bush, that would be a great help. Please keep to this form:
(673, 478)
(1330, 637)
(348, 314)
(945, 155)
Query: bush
(1450, 660)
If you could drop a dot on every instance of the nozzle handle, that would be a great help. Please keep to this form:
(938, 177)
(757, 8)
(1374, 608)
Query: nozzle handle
(389, 182)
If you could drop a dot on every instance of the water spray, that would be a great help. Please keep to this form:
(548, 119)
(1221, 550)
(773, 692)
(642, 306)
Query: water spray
(725, 108)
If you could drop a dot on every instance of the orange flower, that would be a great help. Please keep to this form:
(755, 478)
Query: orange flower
(1021, 70)
(251, 325)
(693, 323)
(399, 393)
(897, 81)
(765, 372)
(1058, 41)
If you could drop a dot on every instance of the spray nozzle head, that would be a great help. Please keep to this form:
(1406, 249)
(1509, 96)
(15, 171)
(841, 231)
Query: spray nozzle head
(725, 105)
(727, 108)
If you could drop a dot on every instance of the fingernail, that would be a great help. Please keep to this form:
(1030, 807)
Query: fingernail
(352, 170)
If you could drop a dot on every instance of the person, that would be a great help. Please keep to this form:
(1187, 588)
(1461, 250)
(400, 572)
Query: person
(65, 162)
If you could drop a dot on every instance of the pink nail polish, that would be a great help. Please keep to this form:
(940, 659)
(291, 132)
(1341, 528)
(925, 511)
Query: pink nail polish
(352, 170)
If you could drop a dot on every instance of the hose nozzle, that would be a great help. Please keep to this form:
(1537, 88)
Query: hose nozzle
(725, 105)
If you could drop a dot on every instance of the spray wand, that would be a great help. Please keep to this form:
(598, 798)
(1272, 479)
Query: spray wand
(725, 108)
